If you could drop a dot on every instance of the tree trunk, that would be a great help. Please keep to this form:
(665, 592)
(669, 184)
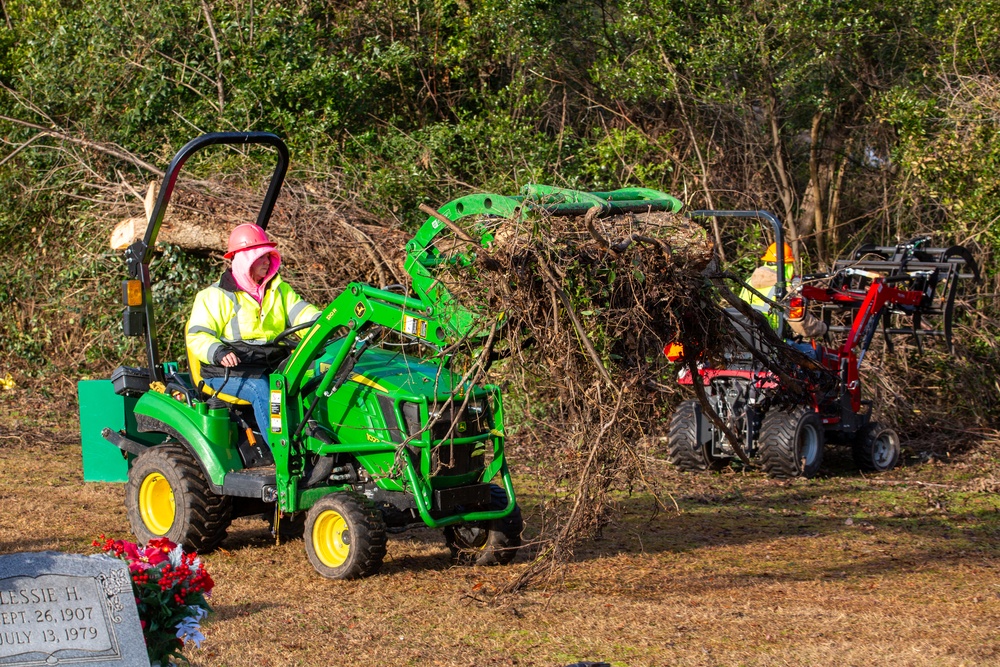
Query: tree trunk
(188, 230)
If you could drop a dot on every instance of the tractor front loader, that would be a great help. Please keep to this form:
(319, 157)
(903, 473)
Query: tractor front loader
(783, 406)
(477, 219)
(370, 430)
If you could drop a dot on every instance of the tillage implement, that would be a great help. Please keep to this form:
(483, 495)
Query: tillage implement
(784, 412)
(371, 430)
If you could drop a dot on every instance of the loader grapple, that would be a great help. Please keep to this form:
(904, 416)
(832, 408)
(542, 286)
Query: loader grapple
(936, 272)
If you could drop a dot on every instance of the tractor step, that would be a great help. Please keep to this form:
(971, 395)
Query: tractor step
(251, 483)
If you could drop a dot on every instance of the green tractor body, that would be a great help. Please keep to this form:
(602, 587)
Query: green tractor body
(370, 430)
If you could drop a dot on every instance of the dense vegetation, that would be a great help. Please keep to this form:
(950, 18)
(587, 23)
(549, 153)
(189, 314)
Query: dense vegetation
(850, 119)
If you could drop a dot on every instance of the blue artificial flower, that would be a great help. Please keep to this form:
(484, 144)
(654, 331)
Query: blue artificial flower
(189, 630)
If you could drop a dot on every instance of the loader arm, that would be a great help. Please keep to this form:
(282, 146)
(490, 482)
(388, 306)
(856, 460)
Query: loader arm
(870, 307)
(425, 262)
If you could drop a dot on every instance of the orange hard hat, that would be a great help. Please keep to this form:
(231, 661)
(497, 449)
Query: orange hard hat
(247, 236)
(772, 253)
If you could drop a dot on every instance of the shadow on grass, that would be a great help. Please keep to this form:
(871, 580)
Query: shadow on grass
(876, 528)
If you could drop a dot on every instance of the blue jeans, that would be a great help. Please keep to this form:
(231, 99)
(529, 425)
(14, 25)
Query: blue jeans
(253, 390)
(806, 349)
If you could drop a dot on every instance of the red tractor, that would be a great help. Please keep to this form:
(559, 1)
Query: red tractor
(781, 406)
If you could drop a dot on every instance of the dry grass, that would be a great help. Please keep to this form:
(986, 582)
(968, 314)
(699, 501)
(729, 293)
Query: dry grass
(841, 570)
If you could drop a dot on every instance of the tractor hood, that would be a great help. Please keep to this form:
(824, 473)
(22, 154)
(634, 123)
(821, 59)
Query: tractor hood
(395, 373)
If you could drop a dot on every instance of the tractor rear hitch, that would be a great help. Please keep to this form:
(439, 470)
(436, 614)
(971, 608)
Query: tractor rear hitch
(124, 443)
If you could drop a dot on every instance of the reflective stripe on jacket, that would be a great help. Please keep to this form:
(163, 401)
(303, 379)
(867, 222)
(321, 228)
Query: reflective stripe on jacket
(223, 313)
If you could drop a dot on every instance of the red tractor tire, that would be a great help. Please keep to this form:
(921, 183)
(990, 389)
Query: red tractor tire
(683, 447)
(791, 442)
(876, 448)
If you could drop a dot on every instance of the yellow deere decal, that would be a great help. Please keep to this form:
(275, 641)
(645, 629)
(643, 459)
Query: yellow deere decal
(371, 438)
(302, 343)
(361, 379)
(359, 309)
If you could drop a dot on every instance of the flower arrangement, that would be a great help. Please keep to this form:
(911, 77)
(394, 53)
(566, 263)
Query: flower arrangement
(170, 589)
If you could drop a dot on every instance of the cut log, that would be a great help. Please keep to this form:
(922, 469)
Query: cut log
(188, 230)
(189, 234)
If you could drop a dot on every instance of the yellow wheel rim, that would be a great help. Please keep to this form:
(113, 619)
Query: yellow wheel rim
(156, 504)
(331, 539)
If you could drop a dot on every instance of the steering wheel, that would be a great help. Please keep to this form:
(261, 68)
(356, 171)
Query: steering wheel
(281, 339)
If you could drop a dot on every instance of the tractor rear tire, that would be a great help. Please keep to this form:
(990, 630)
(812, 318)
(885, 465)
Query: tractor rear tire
(487, 542)
(791, 442)
(683, 448)
(876, 448)
(167, 495)
(345, 536)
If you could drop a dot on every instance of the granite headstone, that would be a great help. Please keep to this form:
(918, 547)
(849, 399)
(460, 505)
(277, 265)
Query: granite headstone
(68, 609)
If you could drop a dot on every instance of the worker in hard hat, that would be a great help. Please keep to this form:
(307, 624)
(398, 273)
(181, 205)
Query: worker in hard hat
(233, 321)
(764, 280)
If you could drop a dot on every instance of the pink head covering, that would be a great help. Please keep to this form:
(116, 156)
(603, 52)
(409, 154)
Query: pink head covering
(244, 259)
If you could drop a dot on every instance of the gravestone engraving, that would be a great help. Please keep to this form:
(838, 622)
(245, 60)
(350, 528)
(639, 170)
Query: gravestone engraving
(68, 609)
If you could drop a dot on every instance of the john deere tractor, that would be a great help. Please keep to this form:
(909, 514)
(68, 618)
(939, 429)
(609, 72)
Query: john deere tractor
(371, 430)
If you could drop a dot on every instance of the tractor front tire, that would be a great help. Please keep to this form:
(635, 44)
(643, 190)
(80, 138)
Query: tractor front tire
(167, 495)
(683, 448)
(345, 536)
(791, 442)
(876, 448)
(487, 542)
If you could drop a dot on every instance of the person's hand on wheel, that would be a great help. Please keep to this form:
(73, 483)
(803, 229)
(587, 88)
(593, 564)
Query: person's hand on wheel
(230, 360)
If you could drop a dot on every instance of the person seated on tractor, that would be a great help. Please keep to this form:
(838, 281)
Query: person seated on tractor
(233, 321)
(764, 280)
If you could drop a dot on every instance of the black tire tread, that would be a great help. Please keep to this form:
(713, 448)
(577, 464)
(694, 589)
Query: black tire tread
(683, 450)
(863, 448)
(503, 541)
(777, 440)
(202, 523)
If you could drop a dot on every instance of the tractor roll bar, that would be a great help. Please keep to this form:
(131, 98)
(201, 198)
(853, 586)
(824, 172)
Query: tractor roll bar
(140, 253)
(779, 238)
(195, 145)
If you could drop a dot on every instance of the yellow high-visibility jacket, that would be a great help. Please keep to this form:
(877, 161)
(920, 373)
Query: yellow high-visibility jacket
(223, 313)
(765, 281)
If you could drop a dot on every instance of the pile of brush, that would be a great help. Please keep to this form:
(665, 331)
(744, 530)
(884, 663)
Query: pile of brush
(587, 305)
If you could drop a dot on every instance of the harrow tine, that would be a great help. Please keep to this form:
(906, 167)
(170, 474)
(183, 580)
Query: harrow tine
(963, 253)
(937, 272)
(886, 321)
(949, 314)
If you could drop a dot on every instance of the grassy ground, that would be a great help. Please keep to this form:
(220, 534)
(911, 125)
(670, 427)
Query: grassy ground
(902, 569)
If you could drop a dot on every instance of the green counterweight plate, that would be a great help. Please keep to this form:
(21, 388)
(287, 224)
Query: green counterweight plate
(100, 408)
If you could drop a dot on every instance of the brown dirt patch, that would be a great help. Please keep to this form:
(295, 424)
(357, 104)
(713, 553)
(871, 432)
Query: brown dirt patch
(841, 570)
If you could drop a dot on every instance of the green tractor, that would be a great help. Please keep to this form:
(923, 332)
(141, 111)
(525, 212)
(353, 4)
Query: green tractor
(371, 429)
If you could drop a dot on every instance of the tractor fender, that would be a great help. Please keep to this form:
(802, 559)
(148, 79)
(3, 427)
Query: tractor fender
(206, 435)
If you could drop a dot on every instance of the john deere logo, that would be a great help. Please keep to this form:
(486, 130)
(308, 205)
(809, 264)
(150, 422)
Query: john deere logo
(460, 427)
(359, 309)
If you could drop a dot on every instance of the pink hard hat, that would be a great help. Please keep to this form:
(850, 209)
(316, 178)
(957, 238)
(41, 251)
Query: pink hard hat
(247, 236)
